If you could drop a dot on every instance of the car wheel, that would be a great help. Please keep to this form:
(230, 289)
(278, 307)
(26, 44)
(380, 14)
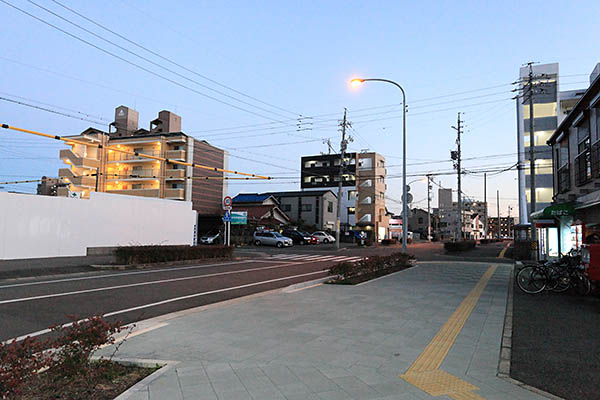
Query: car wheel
(279, 244)
(257, 242)
(325, 241)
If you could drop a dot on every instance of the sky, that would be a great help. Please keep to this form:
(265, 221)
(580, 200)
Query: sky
(268, 80)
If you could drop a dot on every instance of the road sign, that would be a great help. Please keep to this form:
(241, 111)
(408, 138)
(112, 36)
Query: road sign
(227, 216)
(409, 197)
(239, 217)
(227, 201)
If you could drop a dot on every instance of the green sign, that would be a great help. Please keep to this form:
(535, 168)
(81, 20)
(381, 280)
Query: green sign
(239, 217)
(559, 210)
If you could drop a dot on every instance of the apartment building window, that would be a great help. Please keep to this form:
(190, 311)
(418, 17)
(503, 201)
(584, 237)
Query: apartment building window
(420, 220)
(351, 194)
(177, 186)
(306, 207)
(381, 196)
(286, 207)
(381, 179)
(136, 186)
(330, 206)
(317, 209)
(351, 210)
(381, 163)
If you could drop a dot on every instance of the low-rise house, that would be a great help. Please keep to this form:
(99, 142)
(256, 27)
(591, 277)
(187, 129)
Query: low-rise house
(316, 208)
(575, 211)
(261, 208)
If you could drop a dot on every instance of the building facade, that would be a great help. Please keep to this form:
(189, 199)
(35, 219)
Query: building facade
(261, 208)
(312, 208)
(506, 227)
(48, 186)
(418, 223)
(363, 188)
(575, 146)
(94, 167)
(473, 217)
(550, 106)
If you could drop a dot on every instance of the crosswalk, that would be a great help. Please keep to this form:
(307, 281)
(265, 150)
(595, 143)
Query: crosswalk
(315, 257)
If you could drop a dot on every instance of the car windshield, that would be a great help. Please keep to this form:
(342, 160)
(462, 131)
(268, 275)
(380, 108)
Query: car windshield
(277, 234)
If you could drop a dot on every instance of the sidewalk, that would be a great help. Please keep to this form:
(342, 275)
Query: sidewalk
(342, 342)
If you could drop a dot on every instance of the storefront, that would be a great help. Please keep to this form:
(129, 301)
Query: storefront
(557, 230)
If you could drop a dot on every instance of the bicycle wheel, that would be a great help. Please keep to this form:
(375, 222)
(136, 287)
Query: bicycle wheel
(583, 286)
(531, 280)
(563, 282)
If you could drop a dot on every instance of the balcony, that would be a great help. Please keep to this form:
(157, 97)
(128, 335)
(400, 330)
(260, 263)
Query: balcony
(86, 181)
(66, 173)
(134, 174)
(175, 155)
(175, 174)
(69, 157)
(116, 156)
(178, 194)
(137, 192)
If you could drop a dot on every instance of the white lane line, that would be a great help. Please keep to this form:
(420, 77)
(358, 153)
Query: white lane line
(189, 296)
(47, 296)
(154, 271)
(289, 256)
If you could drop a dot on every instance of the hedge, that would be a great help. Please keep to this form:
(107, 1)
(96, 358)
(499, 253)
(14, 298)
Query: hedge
(153, 254)
(369, 265)
(461, 245)
(387, 242)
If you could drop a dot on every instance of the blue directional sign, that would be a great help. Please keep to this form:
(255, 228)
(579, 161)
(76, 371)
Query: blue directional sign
(227, 216)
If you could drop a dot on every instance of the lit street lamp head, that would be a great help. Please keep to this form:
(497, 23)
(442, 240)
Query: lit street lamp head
(356, 82)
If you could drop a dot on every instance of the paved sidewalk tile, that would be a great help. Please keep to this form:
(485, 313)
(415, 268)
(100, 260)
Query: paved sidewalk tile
(336, 342)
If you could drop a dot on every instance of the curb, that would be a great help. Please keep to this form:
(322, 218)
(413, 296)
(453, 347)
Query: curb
(506, 345)
(201, 261)
(166, 365)
(302, 285)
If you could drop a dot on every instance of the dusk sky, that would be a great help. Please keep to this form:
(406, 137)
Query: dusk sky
(290, 59)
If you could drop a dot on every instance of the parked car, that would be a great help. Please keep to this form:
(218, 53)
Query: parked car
(272, 239)
(211, 238)
(313, 239)
(298, 237)
(324, 237)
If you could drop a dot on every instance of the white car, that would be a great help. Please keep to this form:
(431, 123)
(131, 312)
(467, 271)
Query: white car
(324, 237)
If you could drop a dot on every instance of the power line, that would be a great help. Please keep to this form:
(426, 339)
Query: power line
(22, 103)
(171, 61)
(72, 35)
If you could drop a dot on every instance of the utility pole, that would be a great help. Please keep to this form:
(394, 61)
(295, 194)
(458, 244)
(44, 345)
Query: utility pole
(429, 208)
(498, 210)
(343, 146)
(485, 214)
(531, 157)
(455, 155)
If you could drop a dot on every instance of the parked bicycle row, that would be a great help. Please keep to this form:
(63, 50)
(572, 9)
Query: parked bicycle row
(560, 275)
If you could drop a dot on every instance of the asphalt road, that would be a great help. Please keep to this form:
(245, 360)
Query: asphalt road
(28, 306)
(31, 305)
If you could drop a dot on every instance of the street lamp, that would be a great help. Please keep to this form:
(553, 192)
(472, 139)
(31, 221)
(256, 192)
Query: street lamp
(356, 83)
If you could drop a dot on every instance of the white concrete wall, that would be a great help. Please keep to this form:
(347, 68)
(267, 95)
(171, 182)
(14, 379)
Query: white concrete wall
(44, 226)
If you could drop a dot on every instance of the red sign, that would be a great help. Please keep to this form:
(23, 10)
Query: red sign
(227, 201)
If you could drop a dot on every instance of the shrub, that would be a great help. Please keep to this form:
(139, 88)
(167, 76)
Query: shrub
(68, 357)
(19, 362)
(461, 245)
(387, 242)
(152, 254)
(369, 265)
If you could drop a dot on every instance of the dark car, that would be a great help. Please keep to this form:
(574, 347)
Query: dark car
(298, 237)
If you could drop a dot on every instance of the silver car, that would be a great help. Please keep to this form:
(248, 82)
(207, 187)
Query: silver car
(272, 239)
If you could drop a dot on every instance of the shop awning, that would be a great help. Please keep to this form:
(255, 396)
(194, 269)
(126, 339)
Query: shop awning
(554, 210)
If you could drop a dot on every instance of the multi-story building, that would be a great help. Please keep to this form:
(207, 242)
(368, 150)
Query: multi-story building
(575, 146)
(363, 188)
(473, 214)
(48, 186)
(550, 106)
(418, 221)
(97, 168)
(313, 208)
(506, 227)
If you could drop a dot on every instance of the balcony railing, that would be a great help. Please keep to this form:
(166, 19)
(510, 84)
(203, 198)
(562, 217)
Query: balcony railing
(70, 157)
(118, 156)
(87, 181)
(175, 155)
(137, 192)
(595, 160)
(175, 173)
(583, 169)
(564, 179)
(175, 194)
(133, 174)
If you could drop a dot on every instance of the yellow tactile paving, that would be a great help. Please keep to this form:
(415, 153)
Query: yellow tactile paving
(425, 374)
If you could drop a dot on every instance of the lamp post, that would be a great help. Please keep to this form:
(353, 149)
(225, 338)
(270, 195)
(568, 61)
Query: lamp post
(357, 82)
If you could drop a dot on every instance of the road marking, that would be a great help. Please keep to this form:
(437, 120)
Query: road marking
(501, 255)
(425, 374)
(154, 271)
(75, 292)
(171, 300)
